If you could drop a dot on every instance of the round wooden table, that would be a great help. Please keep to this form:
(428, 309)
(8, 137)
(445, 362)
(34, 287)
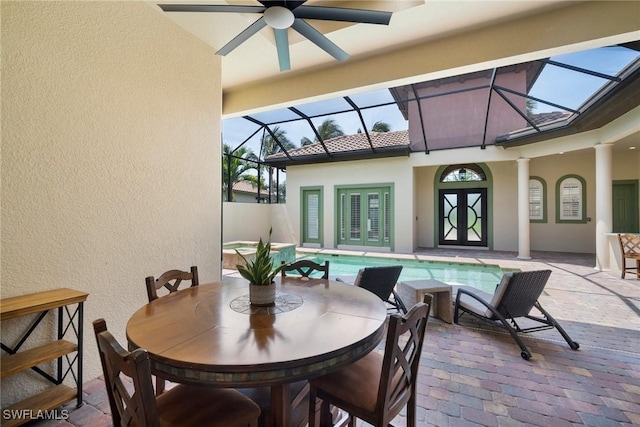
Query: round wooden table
(211, 335)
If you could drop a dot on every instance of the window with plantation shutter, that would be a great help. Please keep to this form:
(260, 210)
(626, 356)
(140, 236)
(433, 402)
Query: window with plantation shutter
(570, 199)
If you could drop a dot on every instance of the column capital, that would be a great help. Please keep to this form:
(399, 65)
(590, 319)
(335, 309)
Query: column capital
(602, 145)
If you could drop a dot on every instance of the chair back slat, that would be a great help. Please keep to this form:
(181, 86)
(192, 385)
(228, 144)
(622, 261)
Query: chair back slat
(629, 245)
(522, 292)
(403, 346)
(305, 268)
(170, 281)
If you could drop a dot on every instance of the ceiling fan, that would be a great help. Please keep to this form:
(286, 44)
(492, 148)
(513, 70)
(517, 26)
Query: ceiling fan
(284, 14)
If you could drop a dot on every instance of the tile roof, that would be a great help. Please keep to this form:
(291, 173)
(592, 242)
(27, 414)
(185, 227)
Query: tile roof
(351, 143)
(542, 118)
(354, 146)
(248, 187)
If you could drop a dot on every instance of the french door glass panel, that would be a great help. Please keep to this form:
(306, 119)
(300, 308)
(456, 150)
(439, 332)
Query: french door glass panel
(373, 216)
(355, 219)
(450, 215)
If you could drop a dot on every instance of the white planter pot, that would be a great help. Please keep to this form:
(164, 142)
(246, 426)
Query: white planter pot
(262, 295)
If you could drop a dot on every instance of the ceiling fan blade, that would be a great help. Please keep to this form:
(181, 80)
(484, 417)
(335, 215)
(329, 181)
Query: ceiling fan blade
(343, 14)
(243, 36)
(319, 39)
(289, 4)
(282, 44)
(210, 8)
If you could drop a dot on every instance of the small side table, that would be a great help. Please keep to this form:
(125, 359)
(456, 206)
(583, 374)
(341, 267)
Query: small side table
(413, 291)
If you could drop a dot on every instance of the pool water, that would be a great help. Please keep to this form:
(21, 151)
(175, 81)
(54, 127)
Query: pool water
(481, 276)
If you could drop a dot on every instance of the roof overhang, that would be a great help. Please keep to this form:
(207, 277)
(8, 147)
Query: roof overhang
(380, 152)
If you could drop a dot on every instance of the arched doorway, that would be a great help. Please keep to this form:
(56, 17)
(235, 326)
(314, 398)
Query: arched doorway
(463, 192)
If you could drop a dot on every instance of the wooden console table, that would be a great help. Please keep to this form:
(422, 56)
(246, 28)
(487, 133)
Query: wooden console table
(70, 322)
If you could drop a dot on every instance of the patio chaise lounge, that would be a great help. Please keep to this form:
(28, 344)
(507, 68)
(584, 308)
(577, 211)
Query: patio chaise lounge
(381, 281)
(513, 298)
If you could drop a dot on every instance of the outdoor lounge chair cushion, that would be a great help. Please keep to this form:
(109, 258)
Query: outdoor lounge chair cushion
(473, 305)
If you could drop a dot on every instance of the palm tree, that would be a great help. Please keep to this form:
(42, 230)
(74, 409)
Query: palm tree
(235, 168)
(379, 126)
(269, 145)
(327, 130)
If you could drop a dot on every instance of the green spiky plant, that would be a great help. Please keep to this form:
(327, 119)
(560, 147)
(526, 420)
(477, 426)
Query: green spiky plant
(259, 271)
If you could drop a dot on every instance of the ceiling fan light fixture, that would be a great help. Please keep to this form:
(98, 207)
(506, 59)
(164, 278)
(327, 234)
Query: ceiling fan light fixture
(278, 17)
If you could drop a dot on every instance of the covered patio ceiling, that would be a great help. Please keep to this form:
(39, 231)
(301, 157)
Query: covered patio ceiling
(566, 94)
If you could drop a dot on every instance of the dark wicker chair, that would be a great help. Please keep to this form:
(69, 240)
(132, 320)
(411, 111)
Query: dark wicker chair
(377, 387)
(181, 406)
(515, 297)
(382, 281)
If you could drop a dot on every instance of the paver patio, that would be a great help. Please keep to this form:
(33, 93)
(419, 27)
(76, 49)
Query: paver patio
(471, 375)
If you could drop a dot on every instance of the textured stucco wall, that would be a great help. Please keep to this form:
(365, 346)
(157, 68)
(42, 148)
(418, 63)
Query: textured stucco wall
(110, 158)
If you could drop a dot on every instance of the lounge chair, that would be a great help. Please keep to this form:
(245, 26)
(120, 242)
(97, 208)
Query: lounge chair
(513, 298)
(381, 281)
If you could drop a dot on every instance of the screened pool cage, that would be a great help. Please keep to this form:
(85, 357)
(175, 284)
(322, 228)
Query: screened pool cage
(538, 100)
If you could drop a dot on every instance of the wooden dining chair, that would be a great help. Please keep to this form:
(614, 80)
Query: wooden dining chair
(183, 405)
(630, 248)
(170, 280)
(377, 387)
(305, 268)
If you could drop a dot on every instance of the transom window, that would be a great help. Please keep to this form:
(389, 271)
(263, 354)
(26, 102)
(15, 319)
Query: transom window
(463, 173)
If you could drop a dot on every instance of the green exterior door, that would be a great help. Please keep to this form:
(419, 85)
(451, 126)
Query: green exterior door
(625, 207)
(312, 216)
(364, 216)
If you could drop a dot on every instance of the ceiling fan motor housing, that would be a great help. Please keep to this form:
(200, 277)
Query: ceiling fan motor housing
(278, 17)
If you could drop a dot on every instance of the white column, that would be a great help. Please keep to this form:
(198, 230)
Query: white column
(524, 239)
(604, 204)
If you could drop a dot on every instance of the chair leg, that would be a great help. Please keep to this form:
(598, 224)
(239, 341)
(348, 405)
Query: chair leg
(160, 385)
(312, 407)
(574, 345)
(326, 417)
(411, 410)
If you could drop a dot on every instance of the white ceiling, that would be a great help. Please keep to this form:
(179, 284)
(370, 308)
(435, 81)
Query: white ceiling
(412, 22)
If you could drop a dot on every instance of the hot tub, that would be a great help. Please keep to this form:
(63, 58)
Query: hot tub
(279, 252)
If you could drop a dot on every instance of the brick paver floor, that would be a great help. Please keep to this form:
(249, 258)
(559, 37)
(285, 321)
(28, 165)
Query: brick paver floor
(473, 375)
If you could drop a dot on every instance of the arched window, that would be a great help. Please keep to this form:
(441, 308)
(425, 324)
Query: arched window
(570, 199)
(463, 173)
(537, 200)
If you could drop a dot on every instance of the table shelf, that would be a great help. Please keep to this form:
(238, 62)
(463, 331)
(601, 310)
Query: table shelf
(13, 363)
(45, 401)
(16, 360)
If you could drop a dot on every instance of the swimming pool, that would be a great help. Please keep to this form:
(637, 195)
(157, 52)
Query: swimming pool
(481, 276)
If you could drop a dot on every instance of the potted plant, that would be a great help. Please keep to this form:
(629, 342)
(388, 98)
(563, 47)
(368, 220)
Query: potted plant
(260, 272)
